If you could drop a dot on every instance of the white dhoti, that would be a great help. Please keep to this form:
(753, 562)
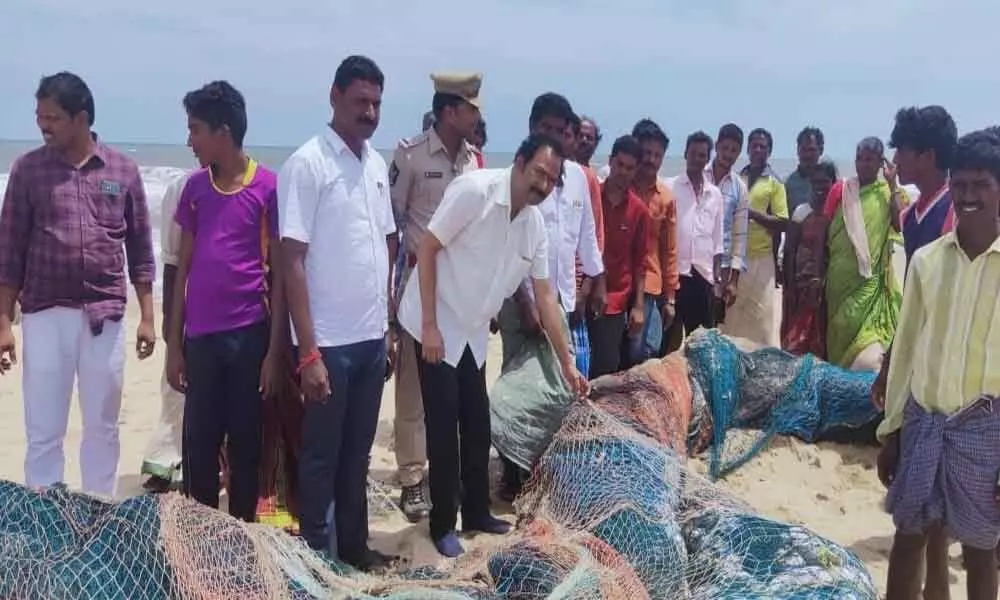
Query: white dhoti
(163, 454)
(59, 348)
(756, 313)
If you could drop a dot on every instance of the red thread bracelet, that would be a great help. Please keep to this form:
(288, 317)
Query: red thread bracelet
(307, 360)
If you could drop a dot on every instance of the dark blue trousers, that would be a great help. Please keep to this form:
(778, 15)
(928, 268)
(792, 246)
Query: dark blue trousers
(337, 437)
(223, 403)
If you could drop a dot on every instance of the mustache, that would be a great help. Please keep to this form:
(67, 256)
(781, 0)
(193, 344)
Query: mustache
(539, 191)
(366, 121)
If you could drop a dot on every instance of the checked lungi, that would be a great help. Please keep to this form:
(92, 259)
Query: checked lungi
(948, 472)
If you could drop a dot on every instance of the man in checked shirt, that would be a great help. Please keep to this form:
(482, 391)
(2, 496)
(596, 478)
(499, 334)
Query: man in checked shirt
(74, 210)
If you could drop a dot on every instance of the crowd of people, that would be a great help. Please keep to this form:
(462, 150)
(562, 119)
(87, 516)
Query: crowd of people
(292, 296)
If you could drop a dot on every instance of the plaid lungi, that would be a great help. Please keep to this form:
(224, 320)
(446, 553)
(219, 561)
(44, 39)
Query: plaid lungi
(948, 472)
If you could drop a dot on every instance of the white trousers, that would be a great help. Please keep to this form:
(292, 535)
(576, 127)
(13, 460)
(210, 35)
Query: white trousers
(163, 454)
(58, 349)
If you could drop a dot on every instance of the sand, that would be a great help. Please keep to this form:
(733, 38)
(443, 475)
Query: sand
(832, 489)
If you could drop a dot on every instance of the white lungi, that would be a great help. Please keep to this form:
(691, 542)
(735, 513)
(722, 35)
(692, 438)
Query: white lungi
(163, 454)
(59, 348)
(756, 314)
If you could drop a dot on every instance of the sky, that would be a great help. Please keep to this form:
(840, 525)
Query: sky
(845, 66)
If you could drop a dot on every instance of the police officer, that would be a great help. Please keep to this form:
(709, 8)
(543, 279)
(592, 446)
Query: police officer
(421, 169)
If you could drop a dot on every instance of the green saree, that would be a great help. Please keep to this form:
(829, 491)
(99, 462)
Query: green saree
(861, 310)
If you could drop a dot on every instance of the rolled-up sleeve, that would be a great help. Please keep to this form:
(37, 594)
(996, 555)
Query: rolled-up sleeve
(15, 229)
(138, 233)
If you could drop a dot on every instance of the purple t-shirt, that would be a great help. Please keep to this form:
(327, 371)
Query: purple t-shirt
(226, 283)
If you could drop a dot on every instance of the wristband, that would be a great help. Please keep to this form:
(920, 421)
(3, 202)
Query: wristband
(307, 360)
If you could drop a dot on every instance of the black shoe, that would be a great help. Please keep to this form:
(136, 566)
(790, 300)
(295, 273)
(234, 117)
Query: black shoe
(372, 561)
(413, 503)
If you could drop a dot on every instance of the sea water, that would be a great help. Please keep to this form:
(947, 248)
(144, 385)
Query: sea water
(161, 164)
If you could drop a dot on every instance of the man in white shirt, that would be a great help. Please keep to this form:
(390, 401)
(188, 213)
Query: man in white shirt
(162, 459)
(485, 237)
(569, 223)
(338, 238)
(700, 243)
(571, 231)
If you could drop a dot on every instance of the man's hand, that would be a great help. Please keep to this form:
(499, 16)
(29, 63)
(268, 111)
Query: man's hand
(432, 344)
(391, 346)
(888, 458)
(889, 172)
(145, 339)
(8, 348)
(668, 313)
(879, 386)
(598, 298)
(176, 368)
(576, 381)
(636, 321)
(315, 382)
(729, 292)
(270, 375)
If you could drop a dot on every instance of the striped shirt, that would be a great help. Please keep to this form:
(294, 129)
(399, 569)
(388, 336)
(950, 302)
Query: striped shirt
(949, 332)
(736, 221)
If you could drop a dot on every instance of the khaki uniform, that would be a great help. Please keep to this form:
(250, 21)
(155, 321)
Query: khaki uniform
(421, 170)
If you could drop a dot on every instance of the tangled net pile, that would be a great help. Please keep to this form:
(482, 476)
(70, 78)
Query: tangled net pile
(768, 392)
(611, 512)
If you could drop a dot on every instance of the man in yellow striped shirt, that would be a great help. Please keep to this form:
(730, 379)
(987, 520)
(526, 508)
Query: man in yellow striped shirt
(941, 433)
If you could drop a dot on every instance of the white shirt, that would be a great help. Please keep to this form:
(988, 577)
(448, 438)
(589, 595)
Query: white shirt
(569, 223)
(485, 256)
(699, 226)
(340, 206)
(170, 231)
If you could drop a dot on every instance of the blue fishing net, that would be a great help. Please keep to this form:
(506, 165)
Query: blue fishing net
(741, 556)
(773, 393)
(655, 550)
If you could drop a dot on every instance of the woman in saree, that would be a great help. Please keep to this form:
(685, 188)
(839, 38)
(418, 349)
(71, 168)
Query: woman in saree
(803, 315)
(863, 296)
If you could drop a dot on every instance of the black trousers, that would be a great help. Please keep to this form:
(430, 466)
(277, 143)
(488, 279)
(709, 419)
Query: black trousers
(337, 437)
(607, 334)
(695, 306)
(457, 416)
(223, 403)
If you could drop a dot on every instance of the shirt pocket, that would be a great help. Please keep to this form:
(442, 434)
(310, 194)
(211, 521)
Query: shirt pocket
(106, 204)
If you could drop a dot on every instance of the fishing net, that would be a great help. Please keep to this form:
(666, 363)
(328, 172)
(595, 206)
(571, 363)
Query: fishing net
(770, 392)
(611, 512)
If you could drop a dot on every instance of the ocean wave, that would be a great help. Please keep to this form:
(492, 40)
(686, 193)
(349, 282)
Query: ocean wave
(155, 180)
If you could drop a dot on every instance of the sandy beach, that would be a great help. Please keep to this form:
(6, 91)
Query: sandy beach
(832, 489)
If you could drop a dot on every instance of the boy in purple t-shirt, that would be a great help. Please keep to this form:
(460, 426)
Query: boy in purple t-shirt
(227, 214)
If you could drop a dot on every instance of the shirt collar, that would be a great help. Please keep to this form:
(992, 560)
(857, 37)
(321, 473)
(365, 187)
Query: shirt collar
(767, 172)
(951, 238)
(339, 146)
(100, 152)
(710, 174)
